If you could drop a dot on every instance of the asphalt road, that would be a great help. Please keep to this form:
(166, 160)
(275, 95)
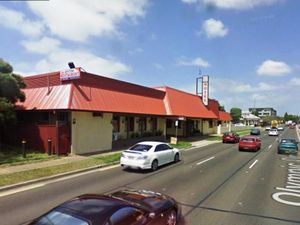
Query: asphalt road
(215, 185)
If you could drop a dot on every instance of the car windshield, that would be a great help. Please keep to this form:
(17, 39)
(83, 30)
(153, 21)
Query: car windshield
(141, 147)
(288, 141)
(59, 218)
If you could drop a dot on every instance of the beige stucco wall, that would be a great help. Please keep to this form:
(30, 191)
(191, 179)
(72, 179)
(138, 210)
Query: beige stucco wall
(207, 129)
(91, 134)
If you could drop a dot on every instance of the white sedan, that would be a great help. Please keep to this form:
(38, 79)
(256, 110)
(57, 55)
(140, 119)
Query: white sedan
(273, 132)
(149, 155)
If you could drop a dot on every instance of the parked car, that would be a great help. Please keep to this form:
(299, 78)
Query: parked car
(287, 146)
(252, 143)
(149, 155)
(267, 128)
(273, 132)
(255, 131)
(130, 207)
(231, 137)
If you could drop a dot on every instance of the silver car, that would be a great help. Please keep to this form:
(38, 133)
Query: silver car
(149, 155)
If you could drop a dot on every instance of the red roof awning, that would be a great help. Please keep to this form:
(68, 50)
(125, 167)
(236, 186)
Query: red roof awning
(44, 98)
(179, 103)
(225, 116)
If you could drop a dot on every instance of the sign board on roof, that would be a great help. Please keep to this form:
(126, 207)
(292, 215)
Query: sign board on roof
(70, 74)
(205, 89)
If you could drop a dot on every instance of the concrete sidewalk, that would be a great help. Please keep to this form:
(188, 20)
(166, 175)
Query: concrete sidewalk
(73, 158)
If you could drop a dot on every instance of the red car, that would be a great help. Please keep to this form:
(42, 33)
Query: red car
(230, 137)
(252, 143)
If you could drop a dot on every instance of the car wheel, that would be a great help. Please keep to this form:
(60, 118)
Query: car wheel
(154, 165)
(176, 158)
(172, 218)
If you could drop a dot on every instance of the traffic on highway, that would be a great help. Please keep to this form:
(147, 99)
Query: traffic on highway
(213, 184)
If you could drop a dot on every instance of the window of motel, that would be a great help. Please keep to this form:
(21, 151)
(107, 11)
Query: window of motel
(129, 123)
(179, 124)
(210, 123)
(143, 124)
(116, 123)
(169, 123)
(154, 123)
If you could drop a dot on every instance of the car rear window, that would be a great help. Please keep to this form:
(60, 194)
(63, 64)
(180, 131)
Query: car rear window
(142, 148)
(247, 139)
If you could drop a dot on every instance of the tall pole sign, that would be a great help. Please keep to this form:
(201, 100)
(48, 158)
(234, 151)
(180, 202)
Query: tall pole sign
(205, 89)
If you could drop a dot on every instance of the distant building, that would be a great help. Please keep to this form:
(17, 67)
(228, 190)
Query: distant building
(249, 119)
(261, 112)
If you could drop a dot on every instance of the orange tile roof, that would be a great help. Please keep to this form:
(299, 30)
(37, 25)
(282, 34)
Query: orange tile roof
(179, 103)
(225, 116)
(91, 93)
(98, 93)
(44, 98)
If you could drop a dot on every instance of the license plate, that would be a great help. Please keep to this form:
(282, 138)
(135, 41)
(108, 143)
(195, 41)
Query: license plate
(130, 157)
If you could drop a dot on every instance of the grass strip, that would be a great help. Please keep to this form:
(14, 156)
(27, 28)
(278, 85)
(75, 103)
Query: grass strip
(13, 178)
(214, 138)
(182, 145)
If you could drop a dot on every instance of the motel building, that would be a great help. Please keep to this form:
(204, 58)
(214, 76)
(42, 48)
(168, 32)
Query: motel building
(82, 113)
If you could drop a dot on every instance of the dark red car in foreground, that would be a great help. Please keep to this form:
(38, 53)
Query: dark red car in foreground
(231, 137)
(128, 207)
(249, 143)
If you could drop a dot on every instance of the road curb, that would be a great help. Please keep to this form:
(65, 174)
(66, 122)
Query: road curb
(53, 177)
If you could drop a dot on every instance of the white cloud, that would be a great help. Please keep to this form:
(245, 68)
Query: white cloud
(238, 4)
(273, 68)
(158, 66)
(232, 86)
(267, 87)
(56, 58)
(193, 62)
(295, 81)
(44, 46)
(233, 4)
(135, 51)
(214, 28)
(189, 1)
(17, 21)
(77, 20)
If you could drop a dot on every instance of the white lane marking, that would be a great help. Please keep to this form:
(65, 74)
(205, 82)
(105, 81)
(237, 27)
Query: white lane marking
(17, 190)
(270, 146)
(206, 160)
(250, 167)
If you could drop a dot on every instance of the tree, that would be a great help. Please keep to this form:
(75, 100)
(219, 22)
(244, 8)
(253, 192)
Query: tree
(222, 108)
(293, 118)
(236, 114)
(10, 92)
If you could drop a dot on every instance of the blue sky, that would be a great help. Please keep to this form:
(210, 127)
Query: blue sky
(249, 48)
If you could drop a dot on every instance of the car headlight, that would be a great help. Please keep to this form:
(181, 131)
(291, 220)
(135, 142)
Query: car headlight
(122, 155)
(142, 157)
